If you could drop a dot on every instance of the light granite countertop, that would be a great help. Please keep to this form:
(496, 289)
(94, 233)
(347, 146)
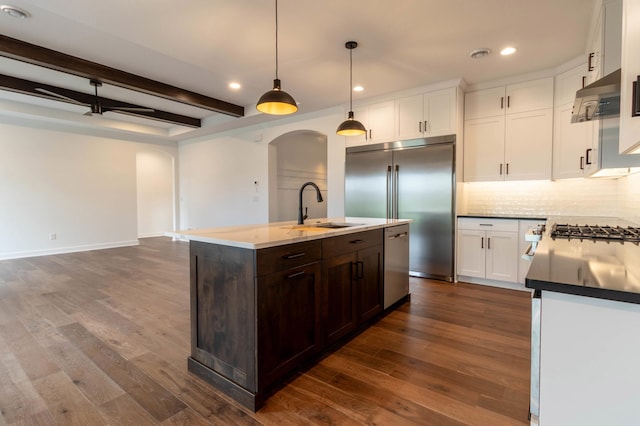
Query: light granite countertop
(281, 233)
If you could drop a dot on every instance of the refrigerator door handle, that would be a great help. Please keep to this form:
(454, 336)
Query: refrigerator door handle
(389, 193)
(395, 192)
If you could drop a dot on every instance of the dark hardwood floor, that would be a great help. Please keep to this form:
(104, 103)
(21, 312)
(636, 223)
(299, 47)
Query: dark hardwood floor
(102, 337)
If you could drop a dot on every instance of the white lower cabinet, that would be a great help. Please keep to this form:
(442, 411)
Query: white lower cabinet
(488, 249)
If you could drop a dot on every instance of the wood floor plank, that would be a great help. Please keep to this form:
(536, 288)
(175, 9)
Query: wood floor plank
(113, 329)
(66, 402)
(146, 392)
(124, 411)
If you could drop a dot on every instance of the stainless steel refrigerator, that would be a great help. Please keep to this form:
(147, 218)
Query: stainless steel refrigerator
(412, 179)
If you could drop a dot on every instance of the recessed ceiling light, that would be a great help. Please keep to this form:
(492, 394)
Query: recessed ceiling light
(15, 12)
(480, 53)
(358, 88)
(234, 85)
(508, 51)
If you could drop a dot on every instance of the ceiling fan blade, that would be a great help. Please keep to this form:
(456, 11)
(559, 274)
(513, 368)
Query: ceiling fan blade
(58, 95)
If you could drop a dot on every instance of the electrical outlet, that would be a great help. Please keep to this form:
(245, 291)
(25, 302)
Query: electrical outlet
(53, 236)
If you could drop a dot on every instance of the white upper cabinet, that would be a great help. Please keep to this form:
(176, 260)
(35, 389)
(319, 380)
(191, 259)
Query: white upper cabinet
(429, 114)
(508, 132)
(378, 119)
(572, 142)
(629, 107)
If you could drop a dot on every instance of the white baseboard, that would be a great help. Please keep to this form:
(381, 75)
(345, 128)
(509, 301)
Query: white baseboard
(152, 234)
(493, 283)
(71, 249)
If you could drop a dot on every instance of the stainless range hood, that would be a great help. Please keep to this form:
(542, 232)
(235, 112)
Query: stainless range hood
(600, 99)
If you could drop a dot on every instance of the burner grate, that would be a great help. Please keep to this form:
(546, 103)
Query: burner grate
(596, 232)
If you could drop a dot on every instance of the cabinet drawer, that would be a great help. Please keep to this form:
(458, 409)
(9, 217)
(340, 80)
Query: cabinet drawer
(488, 224)
(280, 258)
(351, 242)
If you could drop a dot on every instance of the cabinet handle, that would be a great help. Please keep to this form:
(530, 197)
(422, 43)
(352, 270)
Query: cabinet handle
(425, 126)
(356, 242)
(588, 158)
(582, 162)
(371, 134)
(502, 102)
(293, 256)
(486, 224)
(481, 242)
(508, 101)
(488, 243)
(584, 81)
(590, 66)
(507, 168)
(297, 274)
(500, 169)
(360, 269)
(420, 126)
(635, 99)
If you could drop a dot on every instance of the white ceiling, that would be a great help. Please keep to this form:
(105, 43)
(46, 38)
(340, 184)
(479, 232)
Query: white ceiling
(202, 45)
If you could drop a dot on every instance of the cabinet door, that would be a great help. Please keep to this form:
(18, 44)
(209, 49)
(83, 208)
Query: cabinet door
(338, 296)
(440, 112)
(470, 250)
(568, 83)
(484, 103)
(288, 320)
(629, 125)
(529, 96)
(502, 256)
(410, 117)
(484, 149)
(528, 145)
(382, 122)
(594, 52)
(570, 143)
(370, 279)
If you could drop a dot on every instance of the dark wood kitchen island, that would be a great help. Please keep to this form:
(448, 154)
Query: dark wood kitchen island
(267, 300)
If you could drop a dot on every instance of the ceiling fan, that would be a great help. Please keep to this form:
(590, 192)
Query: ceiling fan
(97, 107)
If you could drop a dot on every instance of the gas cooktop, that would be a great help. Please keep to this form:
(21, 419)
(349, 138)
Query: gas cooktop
(596, 232)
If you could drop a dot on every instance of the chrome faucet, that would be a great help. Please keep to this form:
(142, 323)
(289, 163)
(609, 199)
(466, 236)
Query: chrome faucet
(302, 217)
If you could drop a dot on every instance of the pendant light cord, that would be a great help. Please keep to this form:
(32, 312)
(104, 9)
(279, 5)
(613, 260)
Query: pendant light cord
(276, 39)
(350, 79)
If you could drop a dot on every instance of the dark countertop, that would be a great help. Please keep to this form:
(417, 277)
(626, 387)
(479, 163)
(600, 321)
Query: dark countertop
(502, 216)
(600, 269)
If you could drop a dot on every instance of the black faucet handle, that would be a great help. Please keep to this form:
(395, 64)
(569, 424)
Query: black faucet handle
(306, 211)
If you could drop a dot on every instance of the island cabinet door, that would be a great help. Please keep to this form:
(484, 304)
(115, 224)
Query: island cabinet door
(339, 311)
(223, 311)
(370, 291)
(288, 320)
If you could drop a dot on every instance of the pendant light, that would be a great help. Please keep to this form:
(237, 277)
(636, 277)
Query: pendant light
(277, 101)
(351, 126)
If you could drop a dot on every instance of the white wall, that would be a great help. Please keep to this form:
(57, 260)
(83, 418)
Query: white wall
(81, 188)
(217, 175)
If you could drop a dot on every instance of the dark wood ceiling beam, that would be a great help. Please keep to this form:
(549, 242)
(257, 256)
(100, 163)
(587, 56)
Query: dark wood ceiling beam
(29, 87)
(41, 56)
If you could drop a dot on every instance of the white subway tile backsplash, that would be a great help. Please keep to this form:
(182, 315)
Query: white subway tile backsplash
(570, 197)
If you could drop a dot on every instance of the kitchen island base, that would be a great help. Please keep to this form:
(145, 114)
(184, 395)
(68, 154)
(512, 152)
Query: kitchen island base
(260, 315)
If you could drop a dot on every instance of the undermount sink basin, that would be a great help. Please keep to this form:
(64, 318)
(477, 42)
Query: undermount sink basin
(324, 225)
(334, 225)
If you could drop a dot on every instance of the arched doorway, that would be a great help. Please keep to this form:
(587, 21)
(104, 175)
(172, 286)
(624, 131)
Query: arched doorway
(295, 158)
